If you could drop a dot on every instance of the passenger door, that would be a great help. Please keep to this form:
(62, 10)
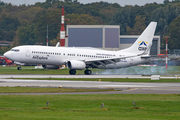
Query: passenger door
(27, 52)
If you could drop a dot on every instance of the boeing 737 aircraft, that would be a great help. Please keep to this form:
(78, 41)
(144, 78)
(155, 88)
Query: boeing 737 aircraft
(81, 58)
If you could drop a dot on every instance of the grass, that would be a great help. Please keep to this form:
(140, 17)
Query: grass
(46, 90)
(81, 107)
(126, 71)
(84, 107)
(32, 70)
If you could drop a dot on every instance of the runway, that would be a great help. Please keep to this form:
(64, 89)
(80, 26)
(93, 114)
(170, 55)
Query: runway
(77, 76)
(71, 76)
(122, 87)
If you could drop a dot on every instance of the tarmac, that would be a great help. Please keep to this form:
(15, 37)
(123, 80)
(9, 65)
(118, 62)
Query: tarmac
(121, 87)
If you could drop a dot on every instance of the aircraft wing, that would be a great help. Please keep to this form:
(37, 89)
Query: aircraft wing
(105, 61)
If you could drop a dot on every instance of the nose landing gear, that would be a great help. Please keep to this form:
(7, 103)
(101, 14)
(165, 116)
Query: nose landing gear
(19, 68)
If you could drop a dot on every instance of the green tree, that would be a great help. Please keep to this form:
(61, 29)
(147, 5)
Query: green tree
(139, 26)
(8, 27)
(28, 16)
(166, 1)
(82, 19)
(9, 23)
(164, 16)
(4, 49)
(174, 32)
(27, 35)
(52, 18)
(9, 36)
(16, 40)
(53, 42)
(123, 18)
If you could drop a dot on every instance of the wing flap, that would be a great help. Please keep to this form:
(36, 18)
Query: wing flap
(94, 63)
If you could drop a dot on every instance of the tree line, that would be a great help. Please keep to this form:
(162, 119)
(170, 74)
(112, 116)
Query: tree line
(27, 24)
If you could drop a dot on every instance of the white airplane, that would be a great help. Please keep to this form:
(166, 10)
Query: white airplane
(81, 58)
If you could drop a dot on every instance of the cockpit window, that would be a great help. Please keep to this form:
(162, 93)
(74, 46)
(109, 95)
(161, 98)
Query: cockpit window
(15, 50)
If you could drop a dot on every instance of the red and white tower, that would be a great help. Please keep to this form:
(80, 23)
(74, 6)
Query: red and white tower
(62, 31)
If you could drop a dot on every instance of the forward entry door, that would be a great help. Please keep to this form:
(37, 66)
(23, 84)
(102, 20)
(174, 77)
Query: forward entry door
(27, 52)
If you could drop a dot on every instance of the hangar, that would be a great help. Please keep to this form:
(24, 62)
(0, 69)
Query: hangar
(104, 37)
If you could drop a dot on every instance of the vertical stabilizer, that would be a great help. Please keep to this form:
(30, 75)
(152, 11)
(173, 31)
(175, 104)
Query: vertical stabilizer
(144, 41)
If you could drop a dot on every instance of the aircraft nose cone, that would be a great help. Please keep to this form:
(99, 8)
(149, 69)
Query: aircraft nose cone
(7, 55)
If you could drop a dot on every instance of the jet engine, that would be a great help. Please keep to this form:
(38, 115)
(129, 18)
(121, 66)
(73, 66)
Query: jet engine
(75, 65)
(50, 66)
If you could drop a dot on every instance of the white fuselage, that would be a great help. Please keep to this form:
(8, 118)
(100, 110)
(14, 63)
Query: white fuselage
(60, 55)
(83, 58)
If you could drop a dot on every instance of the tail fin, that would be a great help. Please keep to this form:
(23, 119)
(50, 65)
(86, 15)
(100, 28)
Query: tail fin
(144, 41)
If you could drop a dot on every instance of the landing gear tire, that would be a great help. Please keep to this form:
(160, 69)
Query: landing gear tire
(18, 68)
(87, 72)
(72, 72)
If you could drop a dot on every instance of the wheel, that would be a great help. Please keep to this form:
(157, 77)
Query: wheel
(72, 72)
(87, 72)
(18, 68)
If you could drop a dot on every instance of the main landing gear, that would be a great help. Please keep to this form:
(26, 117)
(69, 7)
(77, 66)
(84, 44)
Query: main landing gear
(72, 72)
(86, 72)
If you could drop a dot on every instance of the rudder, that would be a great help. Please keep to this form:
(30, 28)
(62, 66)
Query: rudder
(144, 41)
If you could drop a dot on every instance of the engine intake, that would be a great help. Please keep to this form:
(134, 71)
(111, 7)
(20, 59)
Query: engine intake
(76, 65)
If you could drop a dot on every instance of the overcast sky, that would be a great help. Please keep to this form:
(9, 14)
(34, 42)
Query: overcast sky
(121, 2)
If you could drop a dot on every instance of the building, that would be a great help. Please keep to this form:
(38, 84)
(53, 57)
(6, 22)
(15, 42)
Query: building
(99, 36)
(104, 37)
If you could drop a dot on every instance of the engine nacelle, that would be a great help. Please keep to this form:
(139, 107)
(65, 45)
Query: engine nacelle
(50, 66)
(76, 65)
